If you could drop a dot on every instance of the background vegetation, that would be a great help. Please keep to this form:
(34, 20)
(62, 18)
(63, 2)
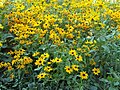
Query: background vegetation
(59, 45)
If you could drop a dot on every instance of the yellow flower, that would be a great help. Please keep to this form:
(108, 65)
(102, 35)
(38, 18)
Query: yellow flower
(19, 6)
(21, 51)
(12, 76)
(70, 35)
(1, 27)
(79, 49)
(79, 58)
(58, 60)
(49, 63)
(10, 52)
(17, 56)
(70, 29)
(87, 54)
(10, 68)
(39, 62)
(118, 36)
(1, 65)
(1, 44)
(5, 64)
(96, 71)
(1, 5)
(88, 42)
(46, 25)
(42, 56)
(74, 42)
(14, 62)
(27, 60)
(92, 62)
(35, 54)
(72, 52)
(53, 60)
(21, 66)
(29, 1)
(28, 42)
(86, 47)
(83, 75)
(68, 69)
(75, 67)
(41, 75)
(46, 55)
(48, 69)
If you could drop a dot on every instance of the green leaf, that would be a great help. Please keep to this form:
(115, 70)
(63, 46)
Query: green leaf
(24, 89)
(102, 39)
(68, 82)
(110, 78)
(4, 46)
(106, 48)
(115, 75)
(37, 69)
(116, 83)
(15, 85)
(104, 80)
(112, 88)
(5, 36)
(93, 88)
(60, 89)
(3, 87)
(77, 88)
(31, 85)
(43, 47)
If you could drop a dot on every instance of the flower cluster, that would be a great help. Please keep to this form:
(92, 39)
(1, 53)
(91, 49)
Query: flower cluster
(58, 39)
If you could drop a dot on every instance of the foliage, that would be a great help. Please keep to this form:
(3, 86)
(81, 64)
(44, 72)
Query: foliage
(59, 45)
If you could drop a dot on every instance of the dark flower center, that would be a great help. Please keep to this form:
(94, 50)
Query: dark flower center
(83, 74)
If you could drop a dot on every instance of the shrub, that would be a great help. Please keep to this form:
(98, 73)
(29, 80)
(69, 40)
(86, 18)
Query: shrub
(59, 45)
